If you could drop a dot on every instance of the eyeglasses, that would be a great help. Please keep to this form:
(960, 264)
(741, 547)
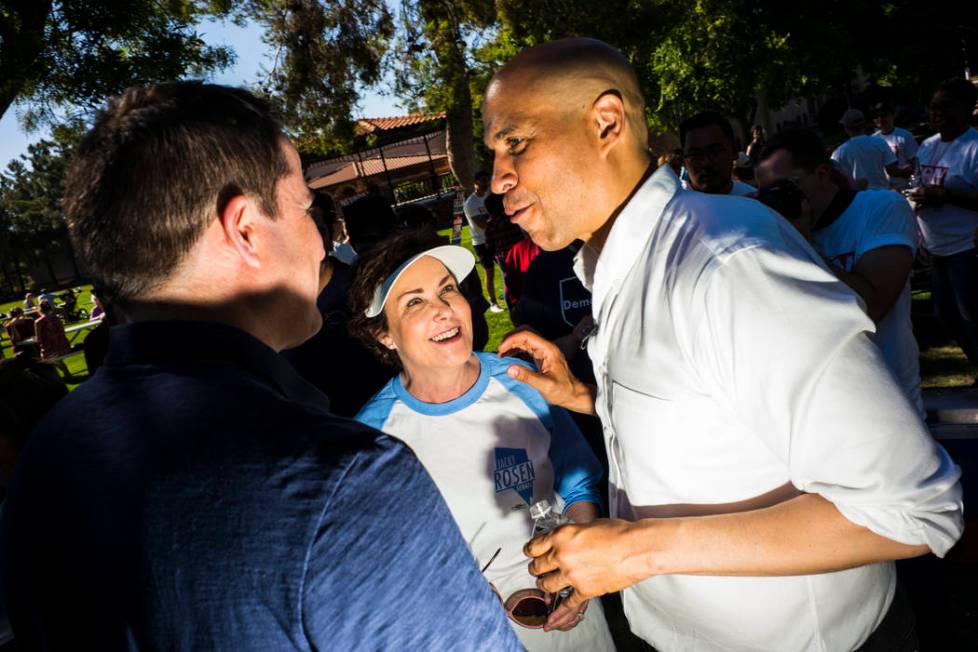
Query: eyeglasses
(712, 152)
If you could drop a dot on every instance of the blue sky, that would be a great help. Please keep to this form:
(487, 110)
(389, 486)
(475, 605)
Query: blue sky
(252, 57)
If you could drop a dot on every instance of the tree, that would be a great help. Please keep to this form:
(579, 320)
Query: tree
(326, 52)
(31, 192)
(75, 53)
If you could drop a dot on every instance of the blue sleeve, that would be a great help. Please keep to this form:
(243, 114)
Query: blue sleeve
(375, 412)
(577, 472)
(389, 570)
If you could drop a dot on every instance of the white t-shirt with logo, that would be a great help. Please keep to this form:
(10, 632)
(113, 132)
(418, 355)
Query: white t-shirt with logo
(475, 206)
(865, 157)
(492, 453)
(874, 219)
(904, 147)
(949, 229)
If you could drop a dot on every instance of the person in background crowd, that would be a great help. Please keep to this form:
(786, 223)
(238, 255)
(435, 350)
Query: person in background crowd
(98, 308)
(743, 170)
(756, 143)
(20, 328)
(216, 503)
(901, 141)
(45, 296)
(765, 467)
(49, 333)
(477, 217)
(674, 160)
(29, 302)
(709, 152)
(947, 203)
(501, 236)
(457, 410)
(332, 348)
(867, 238)
(868, 161)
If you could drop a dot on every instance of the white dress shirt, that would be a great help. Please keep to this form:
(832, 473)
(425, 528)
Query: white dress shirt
(730, 362)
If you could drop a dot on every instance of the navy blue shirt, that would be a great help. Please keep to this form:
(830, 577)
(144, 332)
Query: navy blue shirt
(196, 493)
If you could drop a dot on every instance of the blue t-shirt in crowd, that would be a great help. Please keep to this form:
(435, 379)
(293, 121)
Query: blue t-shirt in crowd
(197, 494)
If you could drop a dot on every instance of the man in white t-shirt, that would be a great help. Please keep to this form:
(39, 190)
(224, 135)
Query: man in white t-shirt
(868, 239)
(866, 160)
(901, 141)
(477, 217)
(947, 202)
(764, 465)
(709, 153)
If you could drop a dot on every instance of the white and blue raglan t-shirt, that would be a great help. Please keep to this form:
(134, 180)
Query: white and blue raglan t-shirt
(492, 453)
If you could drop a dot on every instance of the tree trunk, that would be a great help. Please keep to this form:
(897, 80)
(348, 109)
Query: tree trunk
(21, 44)
(459, 143)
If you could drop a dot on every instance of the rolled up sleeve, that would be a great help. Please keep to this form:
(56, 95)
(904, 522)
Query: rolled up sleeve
(788, 347)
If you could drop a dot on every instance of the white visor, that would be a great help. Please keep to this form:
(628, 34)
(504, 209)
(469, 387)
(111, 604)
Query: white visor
(458, 260)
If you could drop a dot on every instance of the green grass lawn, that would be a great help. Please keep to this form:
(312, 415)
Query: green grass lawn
(76, 361)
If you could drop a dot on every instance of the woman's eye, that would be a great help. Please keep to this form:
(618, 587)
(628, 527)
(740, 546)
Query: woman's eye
(413, 302)
(448, 288)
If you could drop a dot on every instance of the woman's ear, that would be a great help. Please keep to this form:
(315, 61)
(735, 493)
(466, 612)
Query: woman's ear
(386, 340)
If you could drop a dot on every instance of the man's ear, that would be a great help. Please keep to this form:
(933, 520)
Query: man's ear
(608, 112)
(238, 224)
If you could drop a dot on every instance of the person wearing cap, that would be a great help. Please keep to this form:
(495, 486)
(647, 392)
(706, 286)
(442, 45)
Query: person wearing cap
(765, 468)
(492, 445)
(708, 153)
(901, 141)
(868, 161)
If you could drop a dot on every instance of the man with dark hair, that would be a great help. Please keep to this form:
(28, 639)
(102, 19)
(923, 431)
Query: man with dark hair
(758, 446)
(947, 202)
(709, 153)
(868, 161)
(867, 238)
(216, 503)
(901, 141)
(478, 217)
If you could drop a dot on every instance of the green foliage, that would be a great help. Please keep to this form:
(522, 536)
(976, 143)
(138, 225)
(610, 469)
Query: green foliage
(75, 53)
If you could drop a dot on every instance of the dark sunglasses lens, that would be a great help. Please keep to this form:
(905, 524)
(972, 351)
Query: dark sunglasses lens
(531, 612)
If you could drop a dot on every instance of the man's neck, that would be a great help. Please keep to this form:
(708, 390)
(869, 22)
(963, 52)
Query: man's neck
(597, 239)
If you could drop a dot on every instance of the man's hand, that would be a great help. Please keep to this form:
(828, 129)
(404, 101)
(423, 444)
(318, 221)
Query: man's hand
(554, 381)
(565, 620)
(595, 558)
(928, 195)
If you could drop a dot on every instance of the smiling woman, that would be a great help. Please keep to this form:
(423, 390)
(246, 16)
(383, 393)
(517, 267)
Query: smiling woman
(493, 446)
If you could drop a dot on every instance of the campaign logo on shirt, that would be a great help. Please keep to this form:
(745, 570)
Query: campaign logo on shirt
(514, 470)
(933, 175)
(575, 301)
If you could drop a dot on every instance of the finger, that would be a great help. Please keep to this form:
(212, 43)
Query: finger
(553, 581)
(537, 546)
(534, 379)
(544, 564)
(525, 341)
(562, 619)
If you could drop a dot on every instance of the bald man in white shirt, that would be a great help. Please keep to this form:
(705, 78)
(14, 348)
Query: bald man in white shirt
(765, 467)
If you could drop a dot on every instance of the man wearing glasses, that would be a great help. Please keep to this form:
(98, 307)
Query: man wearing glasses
(709, 153)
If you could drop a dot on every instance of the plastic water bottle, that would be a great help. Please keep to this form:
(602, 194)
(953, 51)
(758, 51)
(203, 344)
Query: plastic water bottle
(546, 518)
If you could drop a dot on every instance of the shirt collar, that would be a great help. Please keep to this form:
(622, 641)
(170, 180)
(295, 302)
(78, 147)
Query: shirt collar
(168, 343)
(842, 200)
(628, 238)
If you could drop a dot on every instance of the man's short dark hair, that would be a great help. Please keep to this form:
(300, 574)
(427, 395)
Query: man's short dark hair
(806, 148)
(706, 119)
(959, 90)
(156, 167)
